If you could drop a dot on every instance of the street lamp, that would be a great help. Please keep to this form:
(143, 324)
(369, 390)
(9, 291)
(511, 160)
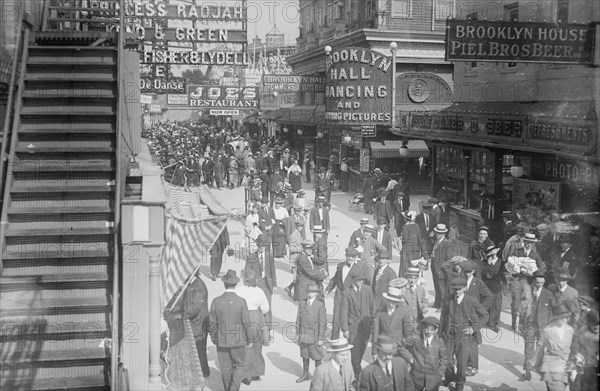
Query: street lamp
(393, 48)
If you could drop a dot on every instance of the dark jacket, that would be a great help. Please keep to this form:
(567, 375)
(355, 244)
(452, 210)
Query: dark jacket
(536, 317)
(321, 252)
(480, 292)
(373, 377)
(307, 273)
(357, 312)
(428, 362)
(195, 307)
(315, 219)
(229, 320)
(311, 322)
(443, 252)
(384, 210)
(397, 327)
(265, 270)
(380, 285)
(356, 234)
(475, 313)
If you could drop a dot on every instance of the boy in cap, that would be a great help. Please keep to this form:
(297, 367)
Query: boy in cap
(386, 372)
(356, 318)
(335, 374)
(311, 325)
(429, 356)
(460, 323)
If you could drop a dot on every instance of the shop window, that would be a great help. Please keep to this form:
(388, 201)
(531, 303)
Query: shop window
(481, 169)
(402, 9)
(450, 163)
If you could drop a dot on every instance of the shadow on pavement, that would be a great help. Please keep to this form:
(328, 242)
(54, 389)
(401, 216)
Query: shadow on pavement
(504, 357)
(483, 387)
(285, 364)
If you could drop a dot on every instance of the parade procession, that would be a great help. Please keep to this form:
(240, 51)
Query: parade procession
(316, 195)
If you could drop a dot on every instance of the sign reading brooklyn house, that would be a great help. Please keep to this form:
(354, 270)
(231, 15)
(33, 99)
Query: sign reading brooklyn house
(471, 40)
(358, 86)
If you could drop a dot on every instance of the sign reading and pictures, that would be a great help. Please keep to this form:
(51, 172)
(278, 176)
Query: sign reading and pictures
(163, 85)
(194, 57)
(222, 96)
(473, 40)
(358, 86)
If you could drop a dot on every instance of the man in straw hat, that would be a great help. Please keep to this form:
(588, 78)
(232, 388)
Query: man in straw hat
(228, 322)
(319, 215)
(359, 235)
(342, 281)
(460, 323)
(443, 250)
(335, 374)
(493, 278)
(370, 247)
(382, 277)
(383, 208)
(414, 294)
(429, 356)
(308, 271)
(535, 314)
(356, 318)
(393, 318)
(386, 373)
(311, 325)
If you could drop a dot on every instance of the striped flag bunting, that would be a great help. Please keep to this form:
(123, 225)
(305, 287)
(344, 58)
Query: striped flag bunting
(188, 240)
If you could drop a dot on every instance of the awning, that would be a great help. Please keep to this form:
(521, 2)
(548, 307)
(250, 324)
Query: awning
(391, 149)
(574, 110)
(313, 114)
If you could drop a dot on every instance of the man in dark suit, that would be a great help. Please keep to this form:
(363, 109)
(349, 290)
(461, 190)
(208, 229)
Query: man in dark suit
(311, 325)
(441, 214)
(383, 275)
(359, 235)
(308, 271)
(228, 322)
(429, 356)
(383, 235)
(564, 257)
(443, 250)
(266, 216)
(398, 207)
(383, 208)
(356, 320)
(534, 316)
(460, 326)
(263, 264)
(565, 294)
(479, 291)
(320, 247)
(195, 308)
(386, 373)
(425, 222)
(414, 295)
(319, 215)
(342, 281)
(216, 253)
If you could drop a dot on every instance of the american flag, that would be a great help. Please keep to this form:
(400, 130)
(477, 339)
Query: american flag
(188, 240)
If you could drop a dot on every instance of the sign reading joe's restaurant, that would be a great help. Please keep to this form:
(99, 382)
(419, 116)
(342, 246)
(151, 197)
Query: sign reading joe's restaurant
(358, 86)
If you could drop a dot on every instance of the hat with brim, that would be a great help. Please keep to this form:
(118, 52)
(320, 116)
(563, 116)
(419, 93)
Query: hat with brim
(383, 193)
(430, 320)
(339, 345)
(318, 229)
(491, 250)
(352, 252)
(393, 294)
(539, 274)
(299, 223)
(265, 200)
(484, 228)
(370, 228)
(398, 282)
(356, 275)
(386, 345)
(529, 237)
(560, 312)
(307, 243)
(409, 215)
(458, 283)
(413, 272)
(312, 288)
(384, 255)
(458, 259)
(441, 228)
(364, 220)
(587, 301)
(230, 277)
(320, 199)
(468, 266)
(563, 275)
(279, 200)
(298, 207)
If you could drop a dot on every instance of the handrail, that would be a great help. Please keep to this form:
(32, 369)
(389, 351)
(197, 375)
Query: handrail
(13, 133)
(45, 15)
(116, 336)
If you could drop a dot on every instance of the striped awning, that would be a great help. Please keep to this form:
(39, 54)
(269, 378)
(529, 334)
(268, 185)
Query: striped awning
(391, 149)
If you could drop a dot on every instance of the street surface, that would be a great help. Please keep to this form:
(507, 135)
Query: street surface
(500, 355)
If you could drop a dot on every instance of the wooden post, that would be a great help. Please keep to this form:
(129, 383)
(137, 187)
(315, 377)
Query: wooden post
(154, 319)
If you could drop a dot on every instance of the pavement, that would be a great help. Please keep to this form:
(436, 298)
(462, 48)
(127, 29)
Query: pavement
(500, 355)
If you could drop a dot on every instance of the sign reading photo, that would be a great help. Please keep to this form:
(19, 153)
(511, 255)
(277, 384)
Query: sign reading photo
(358, 86)
(472, 40)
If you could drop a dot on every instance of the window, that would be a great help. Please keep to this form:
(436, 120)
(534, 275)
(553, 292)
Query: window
(444, 9)
(562, 11)
(511, 12)
(481, 169)
(370, 9)
(450, 162)
(402, 9)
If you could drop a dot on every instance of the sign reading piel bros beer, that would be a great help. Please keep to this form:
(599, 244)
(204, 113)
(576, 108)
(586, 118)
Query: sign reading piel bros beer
(473, 40)
(358, 86)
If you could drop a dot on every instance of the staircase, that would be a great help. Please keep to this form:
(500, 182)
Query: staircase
(58, 244)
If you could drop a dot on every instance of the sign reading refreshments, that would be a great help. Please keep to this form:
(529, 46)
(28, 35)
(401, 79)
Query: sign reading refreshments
(473, 40)
(222, 96)
(358, 86)
(562, 133)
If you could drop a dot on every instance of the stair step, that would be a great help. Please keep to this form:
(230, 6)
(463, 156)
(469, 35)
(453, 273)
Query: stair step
(67, 110)
(60, 189)
(54, 356)
(54, 306)
(57, 232)
(59, 211)
(64, 123)
(57, 327)
(81, 383)
(53, 278)
(66, 131)
(60, 149)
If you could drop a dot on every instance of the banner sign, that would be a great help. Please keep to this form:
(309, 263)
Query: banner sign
(358, 86)
(580, 134)
(210, 10)
(145, 99)
(367, 130)
(285, 83)
(177, 99)
(224, 112)
(163, 85)
(473, 40)
(194, 57)
(222, 96)
(185, 34)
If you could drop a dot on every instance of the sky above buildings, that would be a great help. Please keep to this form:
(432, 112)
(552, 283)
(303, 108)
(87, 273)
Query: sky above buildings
(264, 14)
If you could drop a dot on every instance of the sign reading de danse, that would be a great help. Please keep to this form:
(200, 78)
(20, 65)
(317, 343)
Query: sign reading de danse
(472, 40)
(163, 85)
(222, 96)
(358, 86)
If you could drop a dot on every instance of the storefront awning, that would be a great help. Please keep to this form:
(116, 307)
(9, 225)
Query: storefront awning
(391, 149)
(306, 115)
(573, 110)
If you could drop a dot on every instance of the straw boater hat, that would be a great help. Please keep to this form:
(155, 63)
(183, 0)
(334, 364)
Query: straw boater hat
(441, 228)
(529, 237)
(230, 277)
(364, 220)
(339, 345)
(318, 229)
(413, 271)
(370, 227)
(410, 215)
(386, 345)
(491, 250)
(394, 292)
(320, 199)
(458, 259)
(312, 288)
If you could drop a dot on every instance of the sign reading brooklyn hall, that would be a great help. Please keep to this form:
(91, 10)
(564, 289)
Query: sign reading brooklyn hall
(472, 40)
(358, 86)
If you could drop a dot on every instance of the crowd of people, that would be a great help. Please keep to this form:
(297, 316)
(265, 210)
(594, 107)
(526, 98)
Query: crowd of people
(534, 264)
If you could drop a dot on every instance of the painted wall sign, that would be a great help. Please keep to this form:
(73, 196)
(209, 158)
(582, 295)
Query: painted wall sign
(473, 40)
(222, 96)
(573, 134)
(368, 130)
(185, 34)
(194, 57)
(163, 85)
(210, 10)
(358, 86)
(177, 99)
(571, 172)
(436, 122)
(294, 83)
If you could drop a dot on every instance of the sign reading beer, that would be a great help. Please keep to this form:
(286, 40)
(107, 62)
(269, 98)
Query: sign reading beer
(472, 40)
(194, 57)
(358, 86)
(163, 85)
(222, 96)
